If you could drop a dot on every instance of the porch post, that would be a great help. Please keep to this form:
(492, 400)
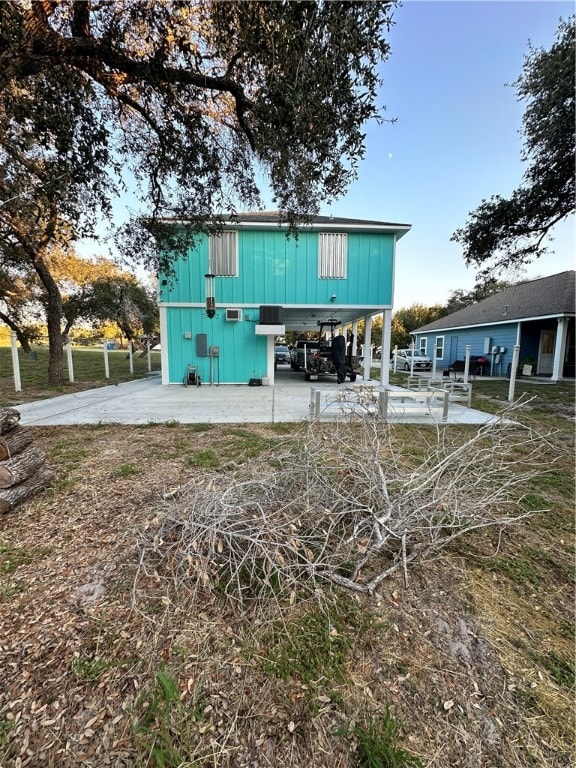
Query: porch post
(560, 349)
(513, 372)
(367, 346)
(385, 355)
(270, 373)
(467, 363)
(355, 339)
(164, 345)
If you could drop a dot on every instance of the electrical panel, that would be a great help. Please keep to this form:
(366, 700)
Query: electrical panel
(233, 315)
(201, 345)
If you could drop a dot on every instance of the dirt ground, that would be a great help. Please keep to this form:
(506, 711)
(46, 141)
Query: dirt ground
(473, 658)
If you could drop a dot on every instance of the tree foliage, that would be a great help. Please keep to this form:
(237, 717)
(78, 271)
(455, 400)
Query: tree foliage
(16, 297)
(30, 228)
(123, 300)
(194, 98)
(406, 320)
(507, 232)
(460, 298)
(184, 102)
(91, 291)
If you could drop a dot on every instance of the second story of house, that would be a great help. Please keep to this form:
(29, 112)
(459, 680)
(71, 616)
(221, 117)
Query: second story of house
(255, 260)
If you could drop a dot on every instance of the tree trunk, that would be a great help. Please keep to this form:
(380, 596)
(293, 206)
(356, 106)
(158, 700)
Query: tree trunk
(53, 322)
(17, 493)
(21, 467)
(14, 442)
(56, 346)
(20, 335)
(9, 418)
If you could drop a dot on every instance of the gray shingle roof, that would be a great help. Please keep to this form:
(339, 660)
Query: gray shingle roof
(545, 297)
(270, 219)
(276, 217)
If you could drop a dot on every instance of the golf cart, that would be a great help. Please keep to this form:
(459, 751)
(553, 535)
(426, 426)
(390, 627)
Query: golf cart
(319, 357)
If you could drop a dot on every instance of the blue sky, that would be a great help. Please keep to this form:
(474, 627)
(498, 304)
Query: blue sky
(456, 139)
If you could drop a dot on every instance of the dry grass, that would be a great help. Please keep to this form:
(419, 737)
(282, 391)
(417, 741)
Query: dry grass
(475, 656)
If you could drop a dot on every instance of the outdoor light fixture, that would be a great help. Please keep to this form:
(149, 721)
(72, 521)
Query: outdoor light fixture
(210, 296)
(333, 298)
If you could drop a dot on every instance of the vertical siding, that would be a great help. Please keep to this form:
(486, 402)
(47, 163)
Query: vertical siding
(274, 269)
(370, 269)
(242, 353)
(455, 343)
(187, 283)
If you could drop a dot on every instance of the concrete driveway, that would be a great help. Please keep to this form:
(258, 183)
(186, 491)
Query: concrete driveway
(145, 401)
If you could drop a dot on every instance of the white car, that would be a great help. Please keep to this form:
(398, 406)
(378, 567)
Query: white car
(404, 359)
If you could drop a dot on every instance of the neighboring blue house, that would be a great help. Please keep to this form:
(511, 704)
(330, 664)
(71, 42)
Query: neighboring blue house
(537, 315)
(235, 292)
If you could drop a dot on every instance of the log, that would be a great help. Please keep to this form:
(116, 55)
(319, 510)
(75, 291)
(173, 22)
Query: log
(21, 467)
(14, 442)
(9, 418)
(12, 496)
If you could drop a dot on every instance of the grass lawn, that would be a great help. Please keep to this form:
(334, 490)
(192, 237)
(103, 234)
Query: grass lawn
(89, 371)
(106, 663)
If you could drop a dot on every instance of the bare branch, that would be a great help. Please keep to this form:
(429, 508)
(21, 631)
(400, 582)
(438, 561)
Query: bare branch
(342, 505)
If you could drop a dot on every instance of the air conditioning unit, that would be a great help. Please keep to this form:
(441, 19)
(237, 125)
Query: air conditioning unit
(233, 315)
(271, 315)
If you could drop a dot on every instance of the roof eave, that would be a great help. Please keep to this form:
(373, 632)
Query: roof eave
(399, 230)
(506, 321)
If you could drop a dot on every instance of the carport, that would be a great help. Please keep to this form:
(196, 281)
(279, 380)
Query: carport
(344, 319)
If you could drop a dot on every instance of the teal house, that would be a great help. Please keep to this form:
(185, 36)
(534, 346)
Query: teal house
(237, 291)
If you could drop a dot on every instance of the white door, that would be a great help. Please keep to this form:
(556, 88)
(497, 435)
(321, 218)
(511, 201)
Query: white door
(546, 353)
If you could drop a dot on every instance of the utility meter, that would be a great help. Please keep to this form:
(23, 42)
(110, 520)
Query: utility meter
(214, 351)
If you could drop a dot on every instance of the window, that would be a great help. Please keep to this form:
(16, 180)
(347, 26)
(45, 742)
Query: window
(423, 345)
(332, 255)
(223, 254)
(439, 347)
(547, 339)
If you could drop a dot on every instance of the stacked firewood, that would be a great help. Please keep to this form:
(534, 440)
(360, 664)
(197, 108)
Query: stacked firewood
(22, 467)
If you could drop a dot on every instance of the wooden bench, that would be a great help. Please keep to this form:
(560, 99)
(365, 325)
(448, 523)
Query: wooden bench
(459, 392)
(379, 399)
(387, 397)
(345, 400)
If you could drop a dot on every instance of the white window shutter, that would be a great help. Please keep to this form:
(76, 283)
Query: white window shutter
(224, 254)
(333, 251)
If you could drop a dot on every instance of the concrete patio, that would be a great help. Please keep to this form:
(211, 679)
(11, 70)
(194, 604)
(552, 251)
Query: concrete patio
(146, 400)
